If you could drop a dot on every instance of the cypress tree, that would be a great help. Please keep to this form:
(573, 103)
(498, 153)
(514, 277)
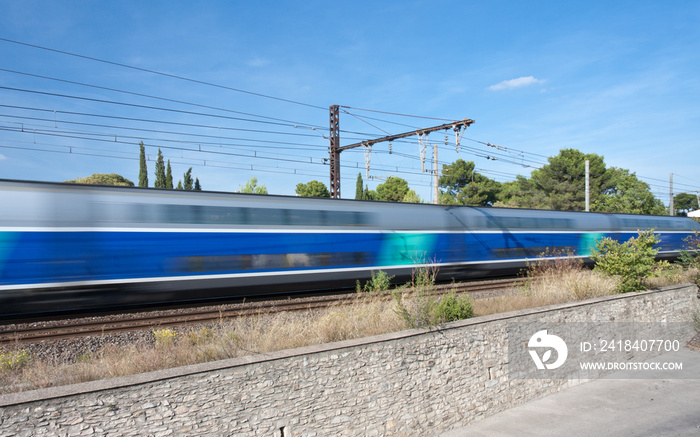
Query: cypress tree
(169, 177)
(188, 179)
(160, 171)
(143, 171)
(197, 186)
(358, 187)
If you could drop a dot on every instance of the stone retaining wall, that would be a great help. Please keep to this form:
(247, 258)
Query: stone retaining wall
(415, 382)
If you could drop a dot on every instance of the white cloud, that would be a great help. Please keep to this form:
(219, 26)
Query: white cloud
(258, 62)
(2, 157)
(515, 83)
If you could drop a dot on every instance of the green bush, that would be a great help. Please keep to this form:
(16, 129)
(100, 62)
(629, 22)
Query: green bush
(379, 284)
(419, 305)
(632, 261)
(452, 307)
(690, 258)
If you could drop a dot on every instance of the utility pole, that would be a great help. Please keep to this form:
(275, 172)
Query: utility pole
(588, 186)
(334, 148)
(436, 192)
(672, 211)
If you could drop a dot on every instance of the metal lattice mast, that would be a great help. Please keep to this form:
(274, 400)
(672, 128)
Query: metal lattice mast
(334, 151)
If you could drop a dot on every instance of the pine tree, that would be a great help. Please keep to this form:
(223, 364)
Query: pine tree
(143, 171)
(197, 186)
(160, 171)
(169, 176)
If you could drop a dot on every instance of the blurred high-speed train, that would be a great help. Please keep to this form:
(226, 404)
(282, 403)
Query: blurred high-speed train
(71, 247)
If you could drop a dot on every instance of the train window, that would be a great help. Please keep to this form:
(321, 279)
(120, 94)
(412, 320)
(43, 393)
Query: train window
(323, 218)
(265, 216)
(648, 223)
(527, 223)
(231, 263)
(144, 213)
(220, 215)
(532, 252)
(177, 214)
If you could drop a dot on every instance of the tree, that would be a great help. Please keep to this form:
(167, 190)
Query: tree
(160, 172)
(560, 185)
(189, 183)
(482, 192)
(313, 189)
(411, 197)
(684, 203)
(143, 171)
(456, 176)
(463, 186)
(393, 190)
(521, 193)
(187, 178)
(103, 179)
(563, 180)
(251, 187)
(368, 194)
(629, 195)
(169, 176)
(359, 192)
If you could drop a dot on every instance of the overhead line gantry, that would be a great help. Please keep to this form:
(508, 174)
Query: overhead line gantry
(334, 148)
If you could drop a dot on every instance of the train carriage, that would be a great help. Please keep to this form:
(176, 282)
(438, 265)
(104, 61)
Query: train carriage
(66, 247)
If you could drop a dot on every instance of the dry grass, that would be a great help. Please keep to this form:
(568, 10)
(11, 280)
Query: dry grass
(368, 315)
(670, 274)
(559, 287)
(558, 281)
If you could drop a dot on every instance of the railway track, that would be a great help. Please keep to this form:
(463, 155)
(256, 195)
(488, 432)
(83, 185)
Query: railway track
(67, 329)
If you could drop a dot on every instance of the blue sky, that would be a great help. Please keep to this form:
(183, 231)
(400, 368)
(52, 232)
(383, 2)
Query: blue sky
(619, 79)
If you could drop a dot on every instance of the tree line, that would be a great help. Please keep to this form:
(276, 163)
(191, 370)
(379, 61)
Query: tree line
(558, 185)
(164, 174)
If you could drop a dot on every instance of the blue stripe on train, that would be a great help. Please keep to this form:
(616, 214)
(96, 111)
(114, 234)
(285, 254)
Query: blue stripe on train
(37, 257)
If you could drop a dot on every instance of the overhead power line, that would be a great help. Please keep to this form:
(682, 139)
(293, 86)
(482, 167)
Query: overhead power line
(174, 76)
(394, 113)
(146, 95)
(133, 105)
(219, 138)
(146, 120)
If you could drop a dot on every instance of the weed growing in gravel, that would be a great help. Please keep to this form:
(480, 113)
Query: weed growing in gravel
(379, 284)
(14, 360)
(419, 306)
(165, 337)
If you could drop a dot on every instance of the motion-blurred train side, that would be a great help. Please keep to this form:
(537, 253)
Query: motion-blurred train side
(74, 247)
